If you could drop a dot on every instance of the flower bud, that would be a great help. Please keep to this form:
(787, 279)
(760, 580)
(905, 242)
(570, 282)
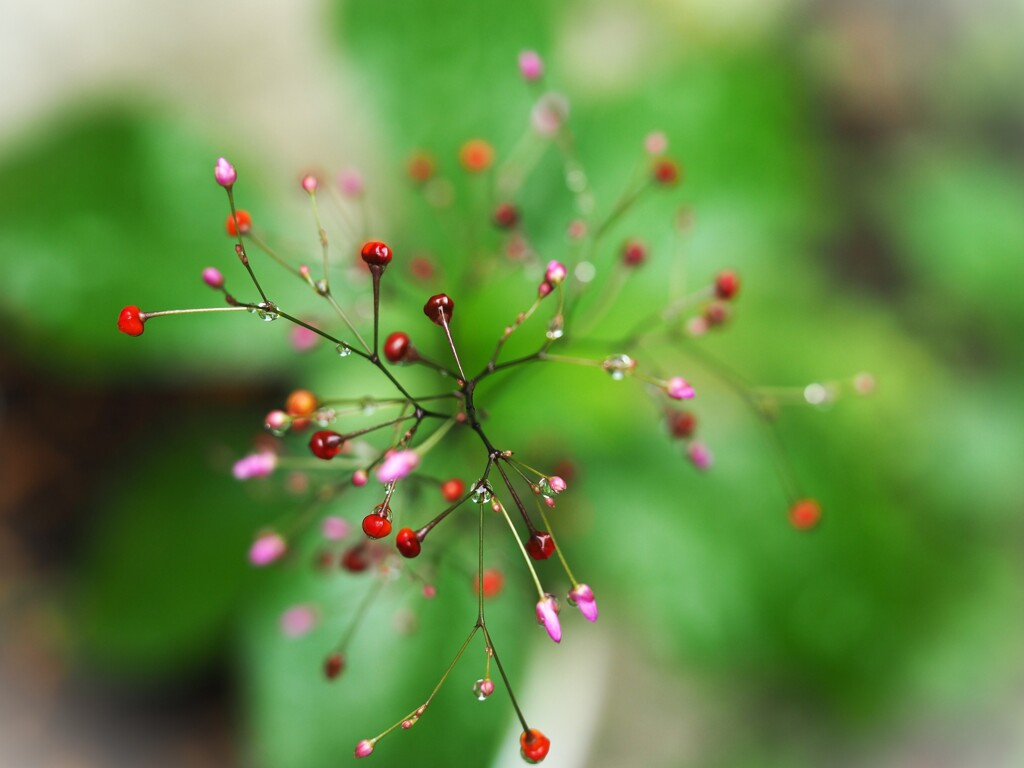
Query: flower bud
(547, 614)
(679, 388)
(397, 465)
(582, 597)
(267, 548)
(224, 172)
(531, 66)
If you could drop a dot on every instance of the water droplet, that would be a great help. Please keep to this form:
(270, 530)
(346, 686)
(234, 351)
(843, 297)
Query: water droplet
(279, 431)
(324, 416)
(618, 366)
(343, 350)
(482, 493)
(585, 272)
(266, 312)
(482, 689)
(816, 394)
(556, 327)
(368, 407)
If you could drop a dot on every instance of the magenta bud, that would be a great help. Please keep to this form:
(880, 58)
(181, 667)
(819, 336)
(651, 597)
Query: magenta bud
(359, 478)
(255, 465)
(582, 597)
(298, 620)
(350, 182)
(544, 289)
(267, 548)
(224, 173)
(531, 66)
(557, 484)
(277, 421)
(679, 388)
(364, 748)
(213, 278)
(699, 455)
(397, 465)
(309, 183)
(547, 614)
(555, 272)
(334, 528)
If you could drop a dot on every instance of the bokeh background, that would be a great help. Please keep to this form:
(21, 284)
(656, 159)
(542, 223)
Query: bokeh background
(860, 163)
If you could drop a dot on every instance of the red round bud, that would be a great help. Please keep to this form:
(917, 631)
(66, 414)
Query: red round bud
(681, 423)
(131, 321)
(727, 285)
(453, 489)
(665, 172)
(376, 253)
(354, 559)
(333, 665)
(301, 402)
(438, 306)
(805, 514)
(540, 545)
(506, 216)
(493, 580)
(244, 223)
(376, 525)
(326, 444)
(396, 347)
(634, 252)
(716, 313)
(534, 745)
(408, 542)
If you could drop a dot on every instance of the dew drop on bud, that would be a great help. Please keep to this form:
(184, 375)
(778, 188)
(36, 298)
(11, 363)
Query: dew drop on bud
(483, 688)
(482, 494)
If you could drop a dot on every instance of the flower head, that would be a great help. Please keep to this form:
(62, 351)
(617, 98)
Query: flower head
(679, 388)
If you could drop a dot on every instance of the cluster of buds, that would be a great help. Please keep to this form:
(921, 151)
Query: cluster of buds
(389, 453)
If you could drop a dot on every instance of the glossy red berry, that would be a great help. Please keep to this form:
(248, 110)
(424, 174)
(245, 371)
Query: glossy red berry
(437, 306)
(805, 514)
(244, 223)
(534, 745)
(407, 542)
(634, 252)
(453, 489)
(396, 347)
(131, 321)
(326, 444)
(377, 524)
(665, 172)
(540, 545)
(506, 216)
(727, 285)
(376, 253)
(681, 423)
(333, 665)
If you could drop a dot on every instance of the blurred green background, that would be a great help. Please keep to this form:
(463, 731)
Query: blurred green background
(860, 163)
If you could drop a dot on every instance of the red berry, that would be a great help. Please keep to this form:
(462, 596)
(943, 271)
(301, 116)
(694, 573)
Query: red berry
(540, 545)
(506, 216)
(244, 223)
(717, 313)
(377, 524)
(534, 745)
(438, 306)
(493, 580)
(396, 347)
(333, 665)
(727, 284)
(453, 489)
(633, 253)
(805, 514)
(476, 155)
(354, 559)
(130, 321)
(376, 254)
(326, 444)
(681, 423)
(666, 172)
(408, 542)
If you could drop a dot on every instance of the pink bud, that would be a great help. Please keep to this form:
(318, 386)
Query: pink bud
(583, 598)
(276, 421)
(364, 748)
(549, 501)
(359, 478)
(213, 278)
(298, 620)
(304, 270)
(656, 143)
(679, 388)
(255, 465)
(555, 272)
(397, 465)
(547, 614)
(429, 591)
(699, 455)
(267, 548)
(549, 113)
(544, 289)
(350, 182)
(334, 528)
(224, 173)
(303, 339)
(531, 67)
(309, 183)
(557, 484)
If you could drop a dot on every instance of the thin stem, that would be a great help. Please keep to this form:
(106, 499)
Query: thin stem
(558, 549)
(262, 245)
(240, 248)
(504, 677)
(451, 342)
(376, 272)
(515, 496)
(341, 313)
(323, 239)
(194, 311)
(526, 557)
(364, 605)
